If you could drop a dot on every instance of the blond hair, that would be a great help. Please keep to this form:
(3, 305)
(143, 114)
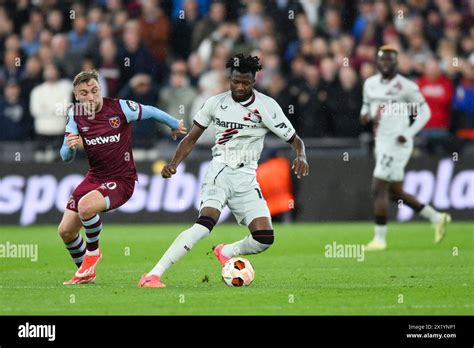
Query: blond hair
(85, 76)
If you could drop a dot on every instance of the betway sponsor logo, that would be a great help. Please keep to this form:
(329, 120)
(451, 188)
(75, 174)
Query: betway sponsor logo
(103, 140)
(443, 190)
(33, 196)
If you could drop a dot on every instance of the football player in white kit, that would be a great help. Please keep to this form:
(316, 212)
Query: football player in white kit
(398, 112)
(242, 116)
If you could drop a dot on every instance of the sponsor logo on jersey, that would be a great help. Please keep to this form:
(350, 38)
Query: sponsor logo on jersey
(253, 117)
(85, 129)
(103, 140)
(224, 107)
(132, 105)
(281, 125)
(227, 124)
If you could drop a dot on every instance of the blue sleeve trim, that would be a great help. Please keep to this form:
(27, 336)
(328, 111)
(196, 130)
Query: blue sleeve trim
(71, 125)
(131, 110)
(67, 155)
(149, 111)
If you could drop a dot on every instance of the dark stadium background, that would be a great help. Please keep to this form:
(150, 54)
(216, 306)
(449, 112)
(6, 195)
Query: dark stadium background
(171, 54)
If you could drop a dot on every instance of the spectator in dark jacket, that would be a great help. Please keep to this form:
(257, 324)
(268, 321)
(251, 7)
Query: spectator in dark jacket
(16, 123)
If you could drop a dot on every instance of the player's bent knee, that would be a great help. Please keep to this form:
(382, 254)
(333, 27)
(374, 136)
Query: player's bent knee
(206, 221)
(265, 237)
(66, 233)
(85, 208)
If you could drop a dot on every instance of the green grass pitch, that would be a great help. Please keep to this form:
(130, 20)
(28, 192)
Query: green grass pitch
(413, 277)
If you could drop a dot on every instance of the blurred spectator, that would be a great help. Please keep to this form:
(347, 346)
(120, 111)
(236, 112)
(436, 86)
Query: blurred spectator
(15, 120)
(366, 16)
(29, 40)
(36, 20)
(6, 28)
(55, 21)
(45, 55)
(252, 23)
(366, 70)
(303, 44)
(196, 68)
(31, 77)
(345, 122)
(202, 7)
(207, 25)
(177, 96)
(155, 29)
(47, 104)
(104, 32)
(141, 90)
(12, 68)
(331, 28)
(438, 92)
(13, 43)
(80, 35)
(278, 90)
(464, 102)
(328, 87)
(69, 61)
(419, 52)
(183, 27)
(211, 83)
(109, 70)
(434, 28)
(94, 18)
(134, 57)
(314, 119)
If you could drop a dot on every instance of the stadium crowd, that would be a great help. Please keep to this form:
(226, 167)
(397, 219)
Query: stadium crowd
(172, 53)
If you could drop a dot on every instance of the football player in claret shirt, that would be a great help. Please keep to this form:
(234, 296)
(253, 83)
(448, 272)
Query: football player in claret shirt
(104, 124)
(242, 117)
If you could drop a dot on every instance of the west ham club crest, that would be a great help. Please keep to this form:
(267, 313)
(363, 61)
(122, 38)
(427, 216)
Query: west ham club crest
(114, 122)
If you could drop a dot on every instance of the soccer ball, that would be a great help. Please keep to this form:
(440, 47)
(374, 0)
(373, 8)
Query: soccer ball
(238, 271)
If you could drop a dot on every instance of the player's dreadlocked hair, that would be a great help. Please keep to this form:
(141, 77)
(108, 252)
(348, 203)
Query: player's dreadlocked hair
(244, 64)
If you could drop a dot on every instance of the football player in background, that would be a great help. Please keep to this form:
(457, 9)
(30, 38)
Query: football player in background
(398, 112)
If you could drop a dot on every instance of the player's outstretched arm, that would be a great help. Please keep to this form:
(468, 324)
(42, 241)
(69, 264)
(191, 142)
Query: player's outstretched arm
(300, 165)
(68, 149)
(184, 149)
(177, 126)
(136, 112)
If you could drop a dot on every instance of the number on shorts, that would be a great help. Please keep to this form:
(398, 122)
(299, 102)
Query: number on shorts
(386, 160)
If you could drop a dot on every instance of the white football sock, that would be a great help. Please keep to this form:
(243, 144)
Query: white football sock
(430, 214)
(246, 246)
(380, 233)
(180, 247)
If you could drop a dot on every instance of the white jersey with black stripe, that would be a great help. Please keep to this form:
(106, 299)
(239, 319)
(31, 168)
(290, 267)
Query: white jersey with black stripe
(241, 127)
